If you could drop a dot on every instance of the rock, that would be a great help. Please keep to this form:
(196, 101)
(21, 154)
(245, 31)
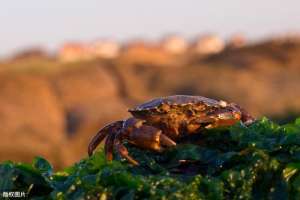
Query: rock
(88, 94)
(32, 121)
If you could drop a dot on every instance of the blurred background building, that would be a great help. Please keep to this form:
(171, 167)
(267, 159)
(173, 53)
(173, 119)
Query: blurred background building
(208, 44)
(174, 44)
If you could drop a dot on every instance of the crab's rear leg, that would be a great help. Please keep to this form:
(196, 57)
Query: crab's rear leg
(97, 139)
(109, 146)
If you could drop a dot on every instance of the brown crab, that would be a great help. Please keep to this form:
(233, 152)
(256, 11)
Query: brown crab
(161, 122)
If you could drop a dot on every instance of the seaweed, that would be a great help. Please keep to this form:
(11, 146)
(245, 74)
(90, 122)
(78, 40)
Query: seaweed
(261, 161)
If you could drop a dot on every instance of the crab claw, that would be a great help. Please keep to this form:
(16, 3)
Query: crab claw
(166, 141)
(151, 138)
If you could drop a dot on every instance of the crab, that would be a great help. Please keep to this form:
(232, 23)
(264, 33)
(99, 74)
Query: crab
(161, 123)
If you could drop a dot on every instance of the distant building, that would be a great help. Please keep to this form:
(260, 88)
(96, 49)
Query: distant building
(105, 49)
(174, 44)
(141, 52)
(72, 52)
(209, 44)
(237, 41)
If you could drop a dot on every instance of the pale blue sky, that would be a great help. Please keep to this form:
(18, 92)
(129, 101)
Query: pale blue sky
(25, 23)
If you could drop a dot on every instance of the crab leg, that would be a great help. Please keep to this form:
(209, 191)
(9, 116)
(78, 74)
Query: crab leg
(122, 150)
(143, 136)
(97, 139)
(109, 146)
(195, 124)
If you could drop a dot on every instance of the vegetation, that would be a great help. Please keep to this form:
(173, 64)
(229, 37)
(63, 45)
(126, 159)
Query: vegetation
(257, 162)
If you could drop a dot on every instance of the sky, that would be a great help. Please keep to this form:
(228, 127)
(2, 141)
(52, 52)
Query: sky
(50, 23)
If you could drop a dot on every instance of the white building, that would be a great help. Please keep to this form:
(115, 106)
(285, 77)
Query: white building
(174, 44)
(105, 49)
(209, 44)
(73, 52)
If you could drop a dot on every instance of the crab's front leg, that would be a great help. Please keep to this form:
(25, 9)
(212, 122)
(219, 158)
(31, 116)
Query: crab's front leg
(141, 135)
(108, 131)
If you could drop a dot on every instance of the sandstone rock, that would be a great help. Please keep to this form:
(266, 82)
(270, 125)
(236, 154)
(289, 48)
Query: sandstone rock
(31, 118)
